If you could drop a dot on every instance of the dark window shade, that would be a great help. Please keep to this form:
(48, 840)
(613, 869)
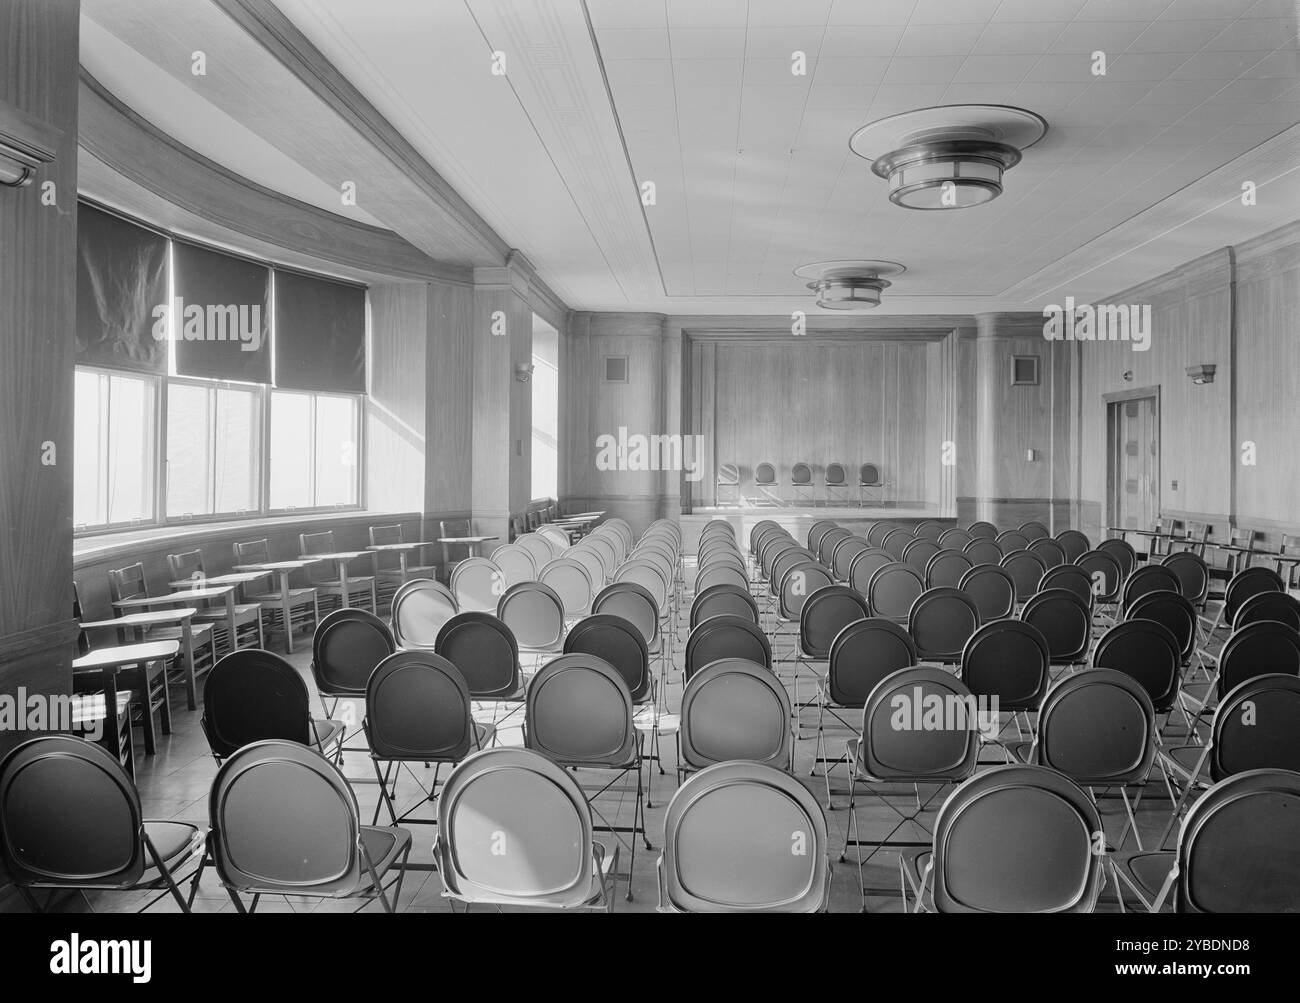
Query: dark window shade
(223, 332)
(121, 278)
(320, 335)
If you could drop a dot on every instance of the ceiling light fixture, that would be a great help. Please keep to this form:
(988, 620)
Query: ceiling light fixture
(849, 285)
(948, 157)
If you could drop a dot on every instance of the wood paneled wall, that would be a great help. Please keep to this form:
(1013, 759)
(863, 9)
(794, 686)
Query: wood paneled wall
(449, 402)
(38, 288)
(850, 402)
(1192, 319)
(395, 408)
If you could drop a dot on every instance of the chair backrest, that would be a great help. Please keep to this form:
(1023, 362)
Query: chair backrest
(1148, 652)
(1026, 570)
(842, 557)
(1098, 728)
(514, 828)
(983, 530)
(758, 529)
(633, 603)
(69, 816)
(930, 530)
(735, 709)
(1150, 578)
(477, 583)
(515, 563)
(1064, 619)
(536, 545)
(484, 651)
(744, 837)
(835, 474)
(868, 475)
(817, 530)
(418, 708)
(317, 543)
(918, 554)
(1105, 572)
(535, 615)
(1257, 726)
(992, 588)
(725, 637)
(920, 725)
(797, 583)
(1070, 577)
(1236, 849)
(800, 473)
(187, 565)
(865, 564)
(1008, 660)
(946, 568)
(1257, 648)
(557, 538)
(773, 547)
(728, 473)
(1279, 606)
(896, 542)
(878, 531)
(284, 821)
(982, 550)
(605, 548)
(765, 474)
(891, 590)
(1124, 554)
(828, 611)
(829, 541)
(1052, 553)
(1246, 583)
(345, 649)
(864, 653)
(1034, 530)
(722, 573)
(578, 713)
(724, 599)
(1018, 839)
(619, 644)
(1074, 543)
(251, 695)
(956, 539)
(127, 583)
(386, 535)
(941, 621)
(253, 552)
(1192, 572)
(1173, 610)
(420, 607)
(1012, 541)
(570, 581)
(649, 577)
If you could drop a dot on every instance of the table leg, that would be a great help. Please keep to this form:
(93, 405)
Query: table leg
(343, 584)
(187, 653)
(110, 708)
(285, 612)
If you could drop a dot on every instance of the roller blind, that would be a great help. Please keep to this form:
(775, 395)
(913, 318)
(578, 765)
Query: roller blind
(221, 316)
(121, 282)
(320, 334)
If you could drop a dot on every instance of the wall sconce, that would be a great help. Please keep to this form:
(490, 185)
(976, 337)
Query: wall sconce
(1202, 374)
(1031, 455)
(523, 371)
(26, 143)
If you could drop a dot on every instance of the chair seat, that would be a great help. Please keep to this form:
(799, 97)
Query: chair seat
(242, 611)
(90, 707)
(295, 596)
(384, 844)
(913, 863)
(174, 841)
(327, 731)
(1149, 870)
(484, 733)
(1182, 759)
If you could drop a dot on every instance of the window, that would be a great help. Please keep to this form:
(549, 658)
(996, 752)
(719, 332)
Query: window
(314, 450)
(113, 449)
(546, 410)
(213, 450)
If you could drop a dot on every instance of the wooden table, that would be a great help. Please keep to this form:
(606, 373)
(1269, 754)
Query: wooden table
(342, 559)
(138, 623)
(237, 578)
(226, 593)
(282, 570)
(110, 661)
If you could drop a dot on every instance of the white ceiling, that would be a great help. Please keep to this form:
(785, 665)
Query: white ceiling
(1140, 171)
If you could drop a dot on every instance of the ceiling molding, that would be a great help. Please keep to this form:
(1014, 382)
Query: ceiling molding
(215, 204)
(267, 25)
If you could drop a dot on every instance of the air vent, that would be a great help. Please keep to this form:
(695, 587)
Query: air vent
(615, 369)
(1024, 371)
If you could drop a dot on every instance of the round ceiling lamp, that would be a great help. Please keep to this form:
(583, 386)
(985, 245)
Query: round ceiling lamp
(849, 285)
(948, 157)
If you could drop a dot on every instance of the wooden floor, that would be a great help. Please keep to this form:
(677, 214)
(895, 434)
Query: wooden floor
(174, 785)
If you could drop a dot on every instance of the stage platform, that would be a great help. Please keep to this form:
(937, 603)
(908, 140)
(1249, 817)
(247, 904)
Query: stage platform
(798, 519)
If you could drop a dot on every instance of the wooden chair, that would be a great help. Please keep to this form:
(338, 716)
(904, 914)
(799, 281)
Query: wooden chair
(388, 579)
(247, 616)
(327, 586)
(284, 607)
(156, 625)
(449, 528)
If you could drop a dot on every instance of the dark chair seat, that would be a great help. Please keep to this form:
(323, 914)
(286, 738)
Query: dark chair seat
(174, 841)
(327, 732)
(384, 844)
(1149, 870)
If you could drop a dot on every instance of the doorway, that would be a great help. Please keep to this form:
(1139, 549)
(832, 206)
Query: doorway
(1133, 465)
